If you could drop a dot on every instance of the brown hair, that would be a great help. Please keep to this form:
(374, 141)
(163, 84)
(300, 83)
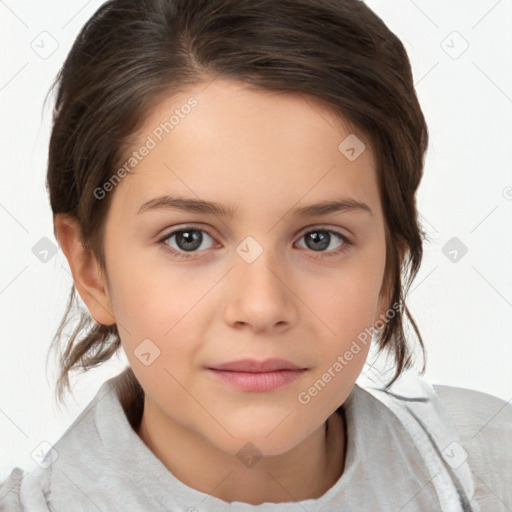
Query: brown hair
(133, 53)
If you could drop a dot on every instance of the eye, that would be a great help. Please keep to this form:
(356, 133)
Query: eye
(186, 240)
(320, 239)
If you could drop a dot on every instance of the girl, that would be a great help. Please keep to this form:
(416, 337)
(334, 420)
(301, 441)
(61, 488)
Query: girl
(233, 185)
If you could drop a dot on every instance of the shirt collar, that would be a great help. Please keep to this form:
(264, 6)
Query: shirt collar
(107, 462)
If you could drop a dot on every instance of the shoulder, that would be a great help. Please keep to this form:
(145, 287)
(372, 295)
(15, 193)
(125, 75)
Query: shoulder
(10, 491)
(483, 420)
(475, 408)
(484, 424)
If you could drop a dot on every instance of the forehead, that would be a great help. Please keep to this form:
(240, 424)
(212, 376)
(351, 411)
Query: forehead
(239, 146)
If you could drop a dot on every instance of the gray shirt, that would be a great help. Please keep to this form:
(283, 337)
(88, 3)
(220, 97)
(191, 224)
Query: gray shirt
(415, 447)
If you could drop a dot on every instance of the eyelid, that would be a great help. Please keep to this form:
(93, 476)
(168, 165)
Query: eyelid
(303, 231)
(322, 227)
(184, 227)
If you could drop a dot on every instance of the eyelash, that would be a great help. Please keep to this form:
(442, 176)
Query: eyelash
(346, 245)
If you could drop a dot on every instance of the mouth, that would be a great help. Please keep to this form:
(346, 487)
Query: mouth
(253, 365)
(257, 381)
(257, 376)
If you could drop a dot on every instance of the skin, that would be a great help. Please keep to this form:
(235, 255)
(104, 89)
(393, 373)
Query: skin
(263, 153)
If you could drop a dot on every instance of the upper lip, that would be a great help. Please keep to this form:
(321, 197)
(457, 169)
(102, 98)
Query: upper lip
(255, 366)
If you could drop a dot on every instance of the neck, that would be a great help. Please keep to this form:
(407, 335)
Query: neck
(307, 471)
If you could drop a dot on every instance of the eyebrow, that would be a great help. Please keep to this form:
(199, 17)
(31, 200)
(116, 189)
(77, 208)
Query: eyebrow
(208, 207)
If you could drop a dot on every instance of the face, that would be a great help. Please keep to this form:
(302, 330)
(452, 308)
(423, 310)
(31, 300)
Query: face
(262, 277)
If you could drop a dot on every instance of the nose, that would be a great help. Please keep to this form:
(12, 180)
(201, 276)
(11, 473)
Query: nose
(260, 296)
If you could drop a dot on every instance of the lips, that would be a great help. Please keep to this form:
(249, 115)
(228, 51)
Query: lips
(257, 376)
(255, 366)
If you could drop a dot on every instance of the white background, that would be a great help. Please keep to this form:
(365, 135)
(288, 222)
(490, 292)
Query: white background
(463, 309)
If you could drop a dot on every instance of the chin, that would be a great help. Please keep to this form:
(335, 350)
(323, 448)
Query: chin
(259, 440)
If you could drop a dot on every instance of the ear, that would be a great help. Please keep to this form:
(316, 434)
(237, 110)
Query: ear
(87, 276)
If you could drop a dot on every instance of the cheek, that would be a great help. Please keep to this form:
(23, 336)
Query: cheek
(348, 301)
(148, 294)
(156, 312)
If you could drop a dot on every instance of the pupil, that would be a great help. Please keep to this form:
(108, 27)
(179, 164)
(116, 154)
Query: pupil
(189, 240)
(321, 238)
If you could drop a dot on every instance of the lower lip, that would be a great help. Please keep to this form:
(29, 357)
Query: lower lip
(252, 381)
